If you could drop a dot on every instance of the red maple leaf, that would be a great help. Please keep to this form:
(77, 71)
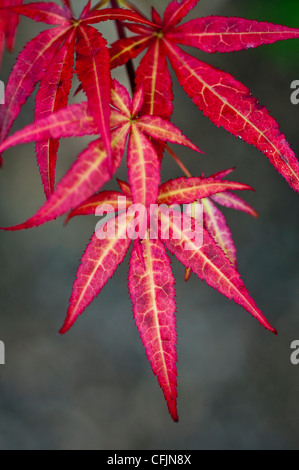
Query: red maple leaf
(49, 59)
(91, 169)
(141, 125)
(222, 98)
(151, 283)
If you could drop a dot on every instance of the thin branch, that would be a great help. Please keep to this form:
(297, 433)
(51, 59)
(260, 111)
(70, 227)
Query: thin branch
(122, 35)
(99, 5)
(178, 161)
(188, 174)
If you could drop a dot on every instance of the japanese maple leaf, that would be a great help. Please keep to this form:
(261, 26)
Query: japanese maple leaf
(222, 98)
(8, 25)
(91, 169)
(151, 283)
(49, 59)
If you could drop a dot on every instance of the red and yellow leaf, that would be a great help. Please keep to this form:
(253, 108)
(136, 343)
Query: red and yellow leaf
(233, 201)
(227, 34)
(86, 176)
(53, 95)
(98, 265)
(120, 99)
(176, 11)
(151, 286)
(187, 190)
(137, 101)
(229, 104)
(143, 168)
(49, 13)
(123, 50)
(115, 14)
(154, 76)
(93, 70)
(161, 129)
(217, 227)
(114, 202)
(75, 120)
(124, 187)
(209, 263)
(29, 69)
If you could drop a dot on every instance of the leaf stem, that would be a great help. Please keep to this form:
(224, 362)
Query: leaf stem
(188, 174)
(178, 161)
(130, 6)
(99, 5)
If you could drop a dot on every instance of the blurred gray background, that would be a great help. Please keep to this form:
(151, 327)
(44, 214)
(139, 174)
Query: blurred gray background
(93, 387)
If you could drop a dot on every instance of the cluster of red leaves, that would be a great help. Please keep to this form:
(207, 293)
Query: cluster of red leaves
(141, 124)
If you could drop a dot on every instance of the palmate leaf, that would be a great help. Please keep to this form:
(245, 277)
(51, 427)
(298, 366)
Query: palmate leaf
(141, 124)
(223, 99)
(143, 160)
(92, 170)
(151, 283)
(42, 58)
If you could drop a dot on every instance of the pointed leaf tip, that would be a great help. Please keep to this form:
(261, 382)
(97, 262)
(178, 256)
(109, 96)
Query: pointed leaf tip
(208, 261)
(228, 103)
(152, 294)
(227, 34)
(98, 264)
